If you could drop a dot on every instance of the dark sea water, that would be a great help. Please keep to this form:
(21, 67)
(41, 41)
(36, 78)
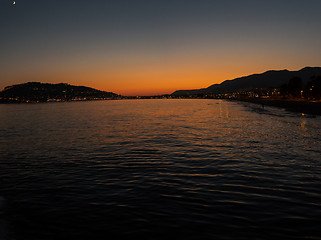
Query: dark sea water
(158, 169)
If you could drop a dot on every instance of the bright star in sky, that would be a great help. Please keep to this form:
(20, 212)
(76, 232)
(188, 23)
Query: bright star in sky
(154, 47)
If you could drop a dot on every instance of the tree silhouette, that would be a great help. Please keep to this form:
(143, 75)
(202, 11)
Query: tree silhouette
(313, 88)
(295, 87)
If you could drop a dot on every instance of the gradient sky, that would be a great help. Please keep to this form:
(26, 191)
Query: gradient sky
(147, 47)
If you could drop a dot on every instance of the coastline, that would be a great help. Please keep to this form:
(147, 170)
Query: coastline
(299, 106)
(293, 105)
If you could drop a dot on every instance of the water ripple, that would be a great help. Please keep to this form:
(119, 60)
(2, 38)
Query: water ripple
(196, 169)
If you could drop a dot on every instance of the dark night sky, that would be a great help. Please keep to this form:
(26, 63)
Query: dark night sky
(146, 47)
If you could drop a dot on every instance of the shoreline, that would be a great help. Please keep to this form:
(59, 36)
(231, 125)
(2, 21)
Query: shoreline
(299, 106)
(293, 105)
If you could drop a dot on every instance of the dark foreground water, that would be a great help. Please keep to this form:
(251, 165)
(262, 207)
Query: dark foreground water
(157, 169)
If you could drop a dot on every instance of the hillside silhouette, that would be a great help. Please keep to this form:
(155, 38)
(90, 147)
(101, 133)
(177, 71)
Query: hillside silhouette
(44, 92)
(269, 79)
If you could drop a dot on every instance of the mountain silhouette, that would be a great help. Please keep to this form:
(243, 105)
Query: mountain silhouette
(269, 79)
(43, 92)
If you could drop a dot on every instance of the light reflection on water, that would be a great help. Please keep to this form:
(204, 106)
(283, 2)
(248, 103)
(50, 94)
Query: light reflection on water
(154, 168)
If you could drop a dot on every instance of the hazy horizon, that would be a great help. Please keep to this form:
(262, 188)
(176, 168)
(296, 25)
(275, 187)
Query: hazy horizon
(159, 94)
(154, 47)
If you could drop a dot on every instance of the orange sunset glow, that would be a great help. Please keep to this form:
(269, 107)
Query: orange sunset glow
(160, 119)
(131, 52)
